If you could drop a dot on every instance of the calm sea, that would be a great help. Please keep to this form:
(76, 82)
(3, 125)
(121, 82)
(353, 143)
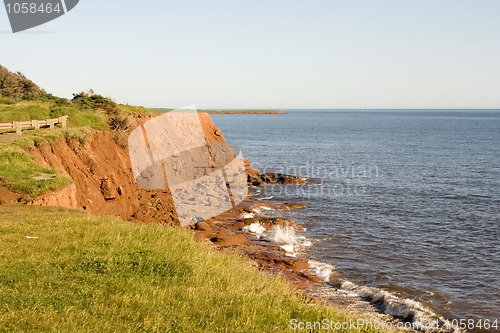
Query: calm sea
(407, 201)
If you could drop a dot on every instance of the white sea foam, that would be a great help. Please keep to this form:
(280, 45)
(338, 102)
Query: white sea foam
(266, 198)
(322, 270)
(255, 228)
(421, 317)
(288, 237)
(285, 235)
(289, 250)
(266, 208)
(247, 215)
(407, 310)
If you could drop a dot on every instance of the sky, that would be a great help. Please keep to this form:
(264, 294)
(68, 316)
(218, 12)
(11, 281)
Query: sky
(268, 53)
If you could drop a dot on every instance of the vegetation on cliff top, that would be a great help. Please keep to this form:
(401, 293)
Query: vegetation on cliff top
(66, 271)
(23, 100)
(15, 87)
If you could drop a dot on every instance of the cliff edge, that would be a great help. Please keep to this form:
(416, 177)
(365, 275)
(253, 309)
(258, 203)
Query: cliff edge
(103, 182)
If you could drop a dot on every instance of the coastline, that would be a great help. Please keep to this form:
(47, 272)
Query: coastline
(243, 111)
(249, 229)
(257, 230)
(227, 111)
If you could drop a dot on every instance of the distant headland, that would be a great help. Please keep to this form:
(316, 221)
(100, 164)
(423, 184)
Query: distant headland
(227, 111)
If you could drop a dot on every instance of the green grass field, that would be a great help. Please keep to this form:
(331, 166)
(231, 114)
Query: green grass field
(66, 271)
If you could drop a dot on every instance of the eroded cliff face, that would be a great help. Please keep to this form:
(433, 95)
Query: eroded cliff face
(103, 182)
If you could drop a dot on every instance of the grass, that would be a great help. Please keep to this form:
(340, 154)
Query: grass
(160, 110)
(17, 170)
(135, 110)
(20, 173)
(40, 110)
(101, 274)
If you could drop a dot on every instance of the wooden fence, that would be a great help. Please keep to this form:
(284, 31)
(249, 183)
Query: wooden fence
(37, 124)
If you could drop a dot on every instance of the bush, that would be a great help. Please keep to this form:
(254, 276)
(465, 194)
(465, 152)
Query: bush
(90, 100)
(17, 86)
(119, 122)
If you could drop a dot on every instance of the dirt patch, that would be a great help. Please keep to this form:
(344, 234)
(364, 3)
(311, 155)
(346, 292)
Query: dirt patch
(7, 196)
(102, 177)
(65, 197)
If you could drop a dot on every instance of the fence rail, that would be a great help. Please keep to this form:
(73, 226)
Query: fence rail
(37, 124)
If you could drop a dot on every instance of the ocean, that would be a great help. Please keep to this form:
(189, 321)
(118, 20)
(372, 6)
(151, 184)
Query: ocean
(403, 201)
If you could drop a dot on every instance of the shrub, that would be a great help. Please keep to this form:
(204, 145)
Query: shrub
(17, 86)
(91, 100)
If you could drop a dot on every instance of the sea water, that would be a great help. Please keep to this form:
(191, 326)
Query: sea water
(406, 202)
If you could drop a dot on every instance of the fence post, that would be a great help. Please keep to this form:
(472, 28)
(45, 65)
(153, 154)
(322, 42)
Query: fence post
(62, 120)
(17, 126)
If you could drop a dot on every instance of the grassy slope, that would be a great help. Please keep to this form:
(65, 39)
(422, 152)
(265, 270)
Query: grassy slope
(18, 171)
(21, 174)
(39, 110)
(101, 274)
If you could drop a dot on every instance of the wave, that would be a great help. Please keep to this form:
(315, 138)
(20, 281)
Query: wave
(406, 310)
(255, 228)
(292, 244)
(266, 198)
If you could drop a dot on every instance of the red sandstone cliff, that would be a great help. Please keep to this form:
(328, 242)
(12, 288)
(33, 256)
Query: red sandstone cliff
(102, 177)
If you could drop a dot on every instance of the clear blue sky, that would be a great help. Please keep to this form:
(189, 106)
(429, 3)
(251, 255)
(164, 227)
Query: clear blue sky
(268, 53)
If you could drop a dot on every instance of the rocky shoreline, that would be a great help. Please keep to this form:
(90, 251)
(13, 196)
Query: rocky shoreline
(237, 230)
(256, 230)
(249, 229)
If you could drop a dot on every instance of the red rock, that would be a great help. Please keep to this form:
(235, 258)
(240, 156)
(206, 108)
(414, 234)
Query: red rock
(202, 226)
(7, 196)
(108, 189)
(290, 206)
(292, 263)
(311, 277)
(229, 240)
(302, 283)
